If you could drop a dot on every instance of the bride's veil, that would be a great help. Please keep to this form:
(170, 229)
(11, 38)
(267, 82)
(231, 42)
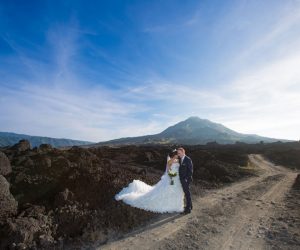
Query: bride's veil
(168, 158)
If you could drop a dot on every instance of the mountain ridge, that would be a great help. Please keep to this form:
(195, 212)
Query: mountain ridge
(10, 138)
(192, 131)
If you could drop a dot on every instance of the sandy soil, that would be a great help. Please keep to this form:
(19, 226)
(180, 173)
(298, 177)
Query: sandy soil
(261, 212)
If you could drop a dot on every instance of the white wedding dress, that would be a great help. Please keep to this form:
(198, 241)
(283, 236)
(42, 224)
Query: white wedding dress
(161, 198)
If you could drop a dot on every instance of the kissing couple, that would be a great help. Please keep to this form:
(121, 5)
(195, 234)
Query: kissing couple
(167, 195)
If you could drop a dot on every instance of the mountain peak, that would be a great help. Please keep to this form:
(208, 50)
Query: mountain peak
(193, 130)
(193, 127)
(193, 118)
(197, 119)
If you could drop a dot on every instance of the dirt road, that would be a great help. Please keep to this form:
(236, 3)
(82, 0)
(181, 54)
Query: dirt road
(257, 213)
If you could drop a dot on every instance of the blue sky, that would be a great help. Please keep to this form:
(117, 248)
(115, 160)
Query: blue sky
(98, 70)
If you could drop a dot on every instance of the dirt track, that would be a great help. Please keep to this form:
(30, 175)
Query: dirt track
(257, 213)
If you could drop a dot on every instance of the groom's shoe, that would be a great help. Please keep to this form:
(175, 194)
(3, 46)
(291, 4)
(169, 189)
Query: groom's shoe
(186, 211)
(186, 208)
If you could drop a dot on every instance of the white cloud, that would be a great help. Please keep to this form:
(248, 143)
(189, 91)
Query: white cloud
(90, 114)
(271, 97)
(261, 98)
(264, 99)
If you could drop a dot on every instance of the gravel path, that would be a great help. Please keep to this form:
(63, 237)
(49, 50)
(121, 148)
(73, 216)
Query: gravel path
(258, 213)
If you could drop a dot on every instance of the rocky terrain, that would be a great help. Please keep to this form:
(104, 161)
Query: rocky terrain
(63, 198)
(260, 212)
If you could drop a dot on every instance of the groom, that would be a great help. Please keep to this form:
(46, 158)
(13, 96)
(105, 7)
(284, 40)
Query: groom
(185, 175)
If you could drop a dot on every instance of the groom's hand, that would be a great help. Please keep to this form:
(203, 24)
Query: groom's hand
(188, 179)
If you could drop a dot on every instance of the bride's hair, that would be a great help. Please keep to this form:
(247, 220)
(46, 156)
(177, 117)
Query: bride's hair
(172, 153)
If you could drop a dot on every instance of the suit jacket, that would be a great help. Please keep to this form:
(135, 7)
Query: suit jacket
(186, 169)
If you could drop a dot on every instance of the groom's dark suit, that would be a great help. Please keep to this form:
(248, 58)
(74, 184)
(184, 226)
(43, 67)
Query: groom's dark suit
(185, 175)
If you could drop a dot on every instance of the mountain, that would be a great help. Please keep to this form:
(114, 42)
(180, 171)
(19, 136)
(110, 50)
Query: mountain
(9, 139)
(192, 131)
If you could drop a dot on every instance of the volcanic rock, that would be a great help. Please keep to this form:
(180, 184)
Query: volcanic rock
(5, 167)
(297, 182)
(8, 204)
(22, 145)
(33, 228)
(45, 147)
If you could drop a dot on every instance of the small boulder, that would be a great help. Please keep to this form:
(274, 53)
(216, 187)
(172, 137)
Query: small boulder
(8, 204)
(28, 163)
(45, 147)
(22, 145)
(296, 184)
(45, 162)
(61, 162)
(5, 167)
(149, 156)
(64, 198)
(31, 229)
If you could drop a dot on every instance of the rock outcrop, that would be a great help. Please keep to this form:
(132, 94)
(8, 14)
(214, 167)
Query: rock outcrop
(5, 167)
(22, 145)
(67, 195)
(8, 204)
(297, 182)
(45, 147)
(33, 228)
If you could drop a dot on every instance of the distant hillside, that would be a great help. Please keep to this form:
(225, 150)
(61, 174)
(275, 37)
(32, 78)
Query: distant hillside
(192, 131)
(9, 139)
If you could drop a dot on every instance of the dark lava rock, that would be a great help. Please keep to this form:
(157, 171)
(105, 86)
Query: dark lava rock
(297, 182)
(64, 198)
(61, 162)
(45, 147)
(28, 163)
(22, 145)
(73, 219)
(33, 228)
(8, 204)
(71, 191)
(5, 167)
(45, 162)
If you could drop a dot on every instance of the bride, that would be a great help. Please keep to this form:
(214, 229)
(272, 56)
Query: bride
(165, 196)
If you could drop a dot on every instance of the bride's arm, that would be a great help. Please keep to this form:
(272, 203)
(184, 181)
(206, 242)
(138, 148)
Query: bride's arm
(169, 164)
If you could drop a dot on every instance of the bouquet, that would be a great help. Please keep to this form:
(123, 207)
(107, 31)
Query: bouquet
(171, 175)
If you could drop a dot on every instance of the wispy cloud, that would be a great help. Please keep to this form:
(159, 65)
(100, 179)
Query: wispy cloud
(263, 99)
(280, 35)
(68, 85)
(193, 19)
(53, 100)
(90, 114)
